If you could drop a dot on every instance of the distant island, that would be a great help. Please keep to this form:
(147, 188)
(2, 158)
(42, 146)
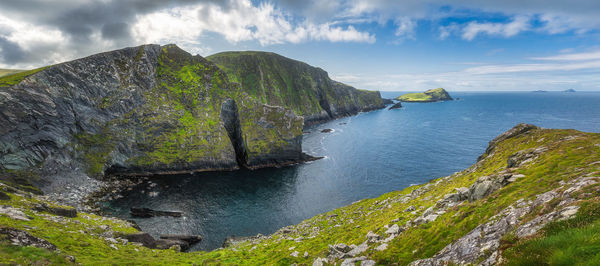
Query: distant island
(433, 95)
(540, 91)
(569, 90)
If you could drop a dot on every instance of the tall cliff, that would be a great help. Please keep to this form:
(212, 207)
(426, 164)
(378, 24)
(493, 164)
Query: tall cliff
(140, 110)
(277, 80)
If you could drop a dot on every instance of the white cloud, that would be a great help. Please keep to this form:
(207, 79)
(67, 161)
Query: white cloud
(405, 27)
(595, 55)
(241, 22)
(510, 29)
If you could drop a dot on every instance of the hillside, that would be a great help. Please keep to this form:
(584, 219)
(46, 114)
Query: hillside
(277, 80)
(533, 197)
(6, 72)
(136, 111)
(433, 95)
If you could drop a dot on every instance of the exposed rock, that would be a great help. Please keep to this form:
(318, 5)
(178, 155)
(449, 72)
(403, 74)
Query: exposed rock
(14, 213)
(352, 261)
(327, 130)
(117, 113)
(22, 238)
(513, 132)
(277, 80)
(62, 211)
(397, 105)
(169, 243)
(394, 229)
(319, 261)
(358, 249)
(523, 156)
(294, 254)
(387, 101)
(367, 263)
(483, 187)
(372, 237)
(141, 237)
(382, 247)
(147, 213)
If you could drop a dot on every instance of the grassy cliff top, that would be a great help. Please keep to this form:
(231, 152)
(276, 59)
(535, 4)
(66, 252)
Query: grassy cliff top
(432, 95)
(6, 72)
(526, 176)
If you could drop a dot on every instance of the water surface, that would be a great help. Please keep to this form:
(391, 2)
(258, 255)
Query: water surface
(366, 155)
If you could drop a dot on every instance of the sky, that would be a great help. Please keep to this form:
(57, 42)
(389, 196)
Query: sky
(386, 45)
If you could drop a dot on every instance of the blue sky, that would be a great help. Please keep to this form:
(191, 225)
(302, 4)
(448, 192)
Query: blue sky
(409, 45)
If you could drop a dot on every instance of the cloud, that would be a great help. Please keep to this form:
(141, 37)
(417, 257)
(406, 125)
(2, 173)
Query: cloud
(595, 55)
(510, 29)
(405, 28)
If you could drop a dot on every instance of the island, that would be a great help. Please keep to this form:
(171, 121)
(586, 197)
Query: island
(433, 95)
(569, 90)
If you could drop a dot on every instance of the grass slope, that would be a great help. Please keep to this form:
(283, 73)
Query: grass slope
(6, 72)
(432, 95)
(570, 154)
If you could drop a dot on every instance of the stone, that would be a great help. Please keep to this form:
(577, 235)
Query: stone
(61, 211)
(382, 247)
(294, 254)
(21, 238)
(352, 261)
(410, 209)
(327, 130)
(14, 213)
(483, 187)
(168, 243)
(372, 237)
(394, 229)
(367, 263)
(397, 105)
(358, 249)
(141, 237)
(319, 261)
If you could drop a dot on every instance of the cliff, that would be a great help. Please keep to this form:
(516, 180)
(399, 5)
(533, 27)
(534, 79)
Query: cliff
(532, 198)
(433, 95)
(136, 111)
(276, 80)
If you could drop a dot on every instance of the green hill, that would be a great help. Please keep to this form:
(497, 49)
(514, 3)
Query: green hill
(6, 72)
(281, 81)
(433, 95)
(533, 198)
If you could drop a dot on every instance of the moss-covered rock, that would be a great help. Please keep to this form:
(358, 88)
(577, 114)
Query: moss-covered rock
(136, 111)
(433, 95)
(307, 90)
(544, 210)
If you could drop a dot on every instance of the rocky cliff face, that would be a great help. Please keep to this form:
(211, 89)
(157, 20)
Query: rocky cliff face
(277, 80)
(141, 110)
(532, 199)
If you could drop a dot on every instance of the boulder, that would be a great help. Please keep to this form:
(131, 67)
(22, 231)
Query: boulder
(168, 243)
(397, 105)
(327, 130)
(142, 237)
(60, 211)
(24, 239)
(483, 187)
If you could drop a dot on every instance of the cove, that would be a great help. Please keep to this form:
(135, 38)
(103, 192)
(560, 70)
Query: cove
(365, 155)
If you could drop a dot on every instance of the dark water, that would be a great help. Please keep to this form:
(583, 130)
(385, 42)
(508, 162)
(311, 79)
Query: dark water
(366, 155)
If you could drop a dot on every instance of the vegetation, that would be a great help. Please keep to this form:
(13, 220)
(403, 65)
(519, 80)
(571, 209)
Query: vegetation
(6, 72)
(15, 76)
(569, 155)
(432, 95)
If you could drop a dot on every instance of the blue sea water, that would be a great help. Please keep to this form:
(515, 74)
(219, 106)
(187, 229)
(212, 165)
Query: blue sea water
(365, 156)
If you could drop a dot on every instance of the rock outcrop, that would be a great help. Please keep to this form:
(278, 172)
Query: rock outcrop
(137, 111)
(307, 90)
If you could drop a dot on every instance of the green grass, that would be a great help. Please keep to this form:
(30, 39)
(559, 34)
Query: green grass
(432, 95)
(571, 242)
(6, 72)
(16, 77)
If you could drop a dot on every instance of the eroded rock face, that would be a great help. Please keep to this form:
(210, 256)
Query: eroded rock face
(22, 238)
(138, 111)
(307, 90)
